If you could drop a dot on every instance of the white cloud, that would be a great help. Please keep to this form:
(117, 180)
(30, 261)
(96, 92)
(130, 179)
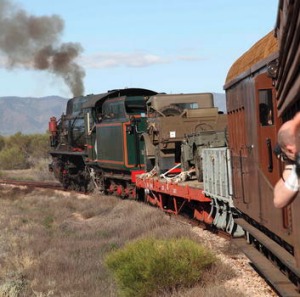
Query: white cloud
(108, 60)
(136, 59)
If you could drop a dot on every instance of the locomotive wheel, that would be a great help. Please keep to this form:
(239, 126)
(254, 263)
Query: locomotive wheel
(198, 167)
(103, 185)
(65, 182)
(171, 110)
(140, 194)
(75, 186)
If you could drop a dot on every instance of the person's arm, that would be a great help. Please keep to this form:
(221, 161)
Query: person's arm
(286, 188)
(295, 125)
(296, 132)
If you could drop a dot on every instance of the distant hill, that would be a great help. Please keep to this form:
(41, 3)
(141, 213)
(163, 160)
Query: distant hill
(29, 115)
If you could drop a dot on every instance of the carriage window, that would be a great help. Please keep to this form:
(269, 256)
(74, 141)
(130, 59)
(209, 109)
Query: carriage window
(266, 107)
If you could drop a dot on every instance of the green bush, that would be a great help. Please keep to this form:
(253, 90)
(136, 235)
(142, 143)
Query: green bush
(20, 151)
(39, 145)
(149, 266)
(2, 143)
(12, 158)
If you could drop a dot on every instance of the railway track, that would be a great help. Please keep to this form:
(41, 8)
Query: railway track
(273, 276)
(278, 267)
(277, 280)
(32, 184)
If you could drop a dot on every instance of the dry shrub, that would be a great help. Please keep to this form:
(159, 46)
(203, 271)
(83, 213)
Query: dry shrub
(54, 243)
(40, 169)
(218, 274)
(211, 290)
(13, 193)
(212, 284)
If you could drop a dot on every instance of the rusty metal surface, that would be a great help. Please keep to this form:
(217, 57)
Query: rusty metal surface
(288, 35)
(251, 142)
(252, 181)
(191, 190)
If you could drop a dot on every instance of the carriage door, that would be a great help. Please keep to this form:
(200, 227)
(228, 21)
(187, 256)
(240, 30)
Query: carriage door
(267, 133)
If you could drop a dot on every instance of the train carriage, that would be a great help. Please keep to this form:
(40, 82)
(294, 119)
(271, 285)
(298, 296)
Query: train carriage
(252, 126)
(254, 117)
(287, 85)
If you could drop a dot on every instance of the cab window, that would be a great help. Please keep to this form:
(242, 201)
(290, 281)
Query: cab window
(266, 117)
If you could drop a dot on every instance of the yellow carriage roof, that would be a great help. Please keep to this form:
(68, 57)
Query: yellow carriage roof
(259, 51)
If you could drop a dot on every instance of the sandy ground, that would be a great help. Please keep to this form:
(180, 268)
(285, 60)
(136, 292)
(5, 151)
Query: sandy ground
(248, 281)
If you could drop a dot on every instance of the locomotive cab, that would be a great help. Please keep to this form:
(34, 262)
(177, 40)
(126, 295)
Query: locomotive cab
(118, 134)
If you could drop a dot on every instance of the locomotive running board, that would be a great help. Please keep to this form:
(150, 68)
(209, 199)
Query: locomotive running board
(67, 153)
(273, 276)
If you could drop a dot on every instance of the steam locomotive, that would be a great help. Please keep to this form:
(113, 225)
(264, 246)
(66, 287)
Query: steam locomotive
(97, 141)
(180, 152)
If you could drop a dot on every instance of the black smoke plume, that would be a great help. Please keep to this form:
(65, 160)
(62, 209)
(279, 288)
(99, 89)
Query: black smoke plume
(34, 42)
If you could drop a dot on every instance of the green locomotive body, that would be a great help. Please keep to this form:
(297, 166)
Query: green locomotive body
(98, 141)
(118, 145)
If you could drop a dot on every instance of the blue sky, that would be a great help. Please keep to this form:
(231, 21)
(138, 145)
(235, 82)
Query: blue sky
(167, 46)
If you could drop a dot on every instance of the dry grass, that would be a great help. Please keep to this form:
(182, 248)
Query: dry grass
(54, 243)
(38, 172)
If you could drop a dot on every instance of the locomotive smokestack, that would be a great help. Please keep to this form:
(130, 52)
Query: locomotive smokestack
(33, 42)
